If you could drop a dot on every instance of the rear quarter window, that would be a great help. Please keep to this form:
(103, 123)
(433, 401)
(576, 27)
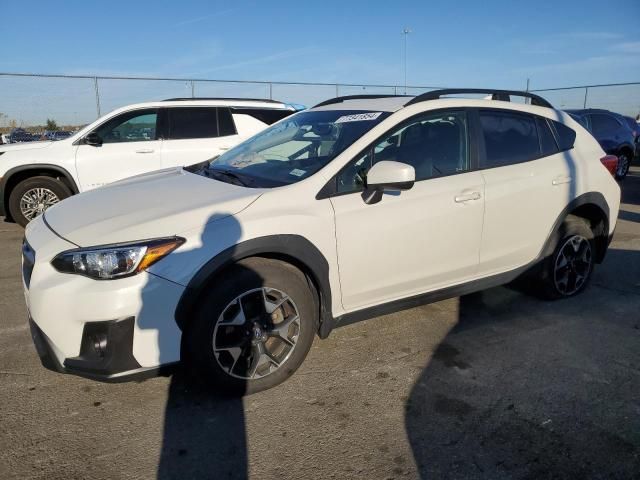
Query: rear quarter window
(565, 136)
(267, 116)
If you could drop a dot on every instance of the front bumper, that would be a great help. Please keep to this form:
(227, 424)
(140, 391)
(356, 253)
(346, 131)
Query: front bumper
(109, 330)
(113, 364)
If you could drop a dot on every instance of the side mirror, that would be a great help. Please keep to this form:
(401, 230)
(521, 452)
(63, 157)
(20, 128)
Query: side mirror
(93, 139)
(387, 176)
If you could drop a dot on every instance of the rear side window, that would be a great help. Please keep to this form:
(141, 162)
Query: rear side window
(265, 115)
(192, 122)
(548, 144)
(566, 136)
(604, 125)
(509, 138)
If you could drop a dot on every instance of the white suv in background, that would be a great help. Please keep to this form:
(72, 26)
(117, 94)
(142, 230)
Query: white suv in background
(357, 207)
(128, 141)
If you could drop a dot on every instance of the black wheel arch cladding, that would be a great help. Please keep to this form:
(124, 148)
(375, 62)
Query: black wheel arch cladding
(22, 172)
(293, 249)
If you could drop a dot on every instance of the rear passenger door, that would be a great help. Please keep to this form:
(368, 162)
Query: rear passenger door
(529, 179)
(195, 134)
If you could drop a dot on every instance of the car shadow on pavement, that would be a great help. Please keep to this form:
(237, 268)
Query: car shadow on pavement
(203, 435)
(563, 406)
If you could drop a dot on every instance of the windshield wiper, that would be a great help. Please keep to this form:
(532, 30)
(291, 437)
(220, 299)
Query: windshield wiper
(226, 173)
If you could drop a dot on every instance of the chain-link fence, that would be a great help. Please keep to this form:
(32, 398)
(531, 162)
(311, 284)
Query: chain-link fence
(28, 100)
(623, 98)
(31, 99)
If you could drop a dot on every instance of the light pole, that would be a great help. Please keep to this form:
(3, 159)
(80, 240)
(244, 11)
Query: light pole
(406, 31)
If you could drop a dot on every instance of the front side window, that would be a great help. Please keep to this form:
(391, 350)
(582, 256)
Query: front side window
(434, 145)
(293, 149)
(509, 138)
(134, 126)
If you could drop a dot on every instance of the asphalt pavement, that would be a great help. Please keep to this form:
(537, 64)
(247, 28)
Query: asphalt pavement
(491, 385)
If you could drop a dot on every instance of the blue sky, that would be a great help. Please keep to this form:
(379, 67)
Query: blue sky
(453, 43)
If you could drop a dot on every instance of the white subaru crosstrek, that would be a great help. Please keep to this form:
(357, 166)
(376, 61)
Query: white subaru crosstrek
(128, 141)
(357, 207)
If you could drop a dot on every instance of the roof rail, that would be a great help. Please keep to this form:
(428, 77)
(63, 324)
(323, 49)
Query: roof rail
(355, 97)
(503, 95)
(184, 99)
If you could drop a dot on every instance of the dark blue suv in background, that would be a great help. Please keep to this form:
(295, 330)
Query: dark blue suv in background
(613, 133)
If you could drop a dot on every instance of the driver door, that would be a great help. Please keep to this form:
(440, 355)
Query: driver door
(129, 147)
(417, 240)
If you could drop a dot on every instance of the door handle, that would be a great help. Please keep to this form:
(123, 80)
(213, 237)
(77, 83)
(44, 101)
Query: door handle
(467, 197)
(561, 180)
(145, 150)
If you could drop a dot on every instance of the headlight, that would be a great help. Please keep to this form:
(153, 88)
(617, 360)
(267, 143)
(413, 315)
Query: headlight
(115, 261)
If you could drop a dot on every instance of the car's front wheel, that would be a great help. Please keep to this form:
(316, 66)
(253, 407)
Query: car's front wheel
(253, 328)
(31, 197)
(568, 270)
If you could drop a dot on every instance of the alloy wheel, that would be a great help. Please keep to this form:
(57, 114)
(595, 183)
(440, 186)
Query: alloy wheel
(256, 333)
(573, 265)
(623, 165)
(36, 200)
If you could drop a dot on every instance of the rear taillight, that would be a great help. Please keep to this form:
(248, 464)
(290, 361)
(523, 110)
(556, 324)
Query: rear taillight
(611, 163)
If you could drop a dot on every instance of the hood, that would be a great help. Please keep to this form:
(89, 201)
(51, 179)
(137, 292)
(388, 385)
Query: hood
(14, 147)
(156, 204)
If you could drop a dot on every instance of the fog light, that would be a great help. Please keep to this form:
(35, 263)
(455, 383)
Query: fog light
(99, 342)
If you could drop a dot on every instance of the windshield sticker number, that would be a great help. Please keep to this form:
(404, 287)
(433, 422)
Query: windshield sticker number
(297, 172)
(358, 117)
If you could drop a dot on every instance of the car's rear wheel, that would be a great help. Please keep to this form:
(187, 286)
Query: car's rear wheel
(624, 161)
(253, 328)
(568, 270)
(31, 197)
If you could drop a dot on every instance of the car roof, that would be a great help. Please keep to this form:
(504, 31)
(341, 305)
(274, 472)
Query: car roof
(212, 102)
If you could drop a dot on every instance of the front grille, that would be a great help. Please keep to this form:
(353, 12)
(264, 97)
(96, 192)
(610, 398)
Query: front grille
(28, 260)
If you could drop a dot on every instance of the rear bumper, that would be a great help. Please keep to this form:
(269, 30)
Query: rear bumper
(105, 355)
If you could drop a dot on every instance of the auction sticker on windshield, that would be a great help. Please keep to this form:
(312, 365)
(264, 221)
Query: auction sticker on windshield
(358, 117)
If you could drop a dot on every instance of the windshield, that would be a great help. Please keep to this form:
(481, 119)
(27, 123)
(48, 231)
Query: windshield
(294, 148)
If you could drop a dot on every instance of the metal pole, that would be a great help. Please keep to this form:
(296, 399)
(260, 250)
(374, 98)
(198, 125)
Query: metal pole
(586, 92)
(270, 91)
(526, 99)
(406, 31)
(95, 84)
(193, 89)
(337, 92)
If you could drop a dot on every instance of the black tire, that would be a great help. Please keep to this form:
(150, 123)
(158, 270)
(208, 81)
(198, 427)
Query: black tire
(243, 277)
(624, 162)
(56, 187)
(549, 286)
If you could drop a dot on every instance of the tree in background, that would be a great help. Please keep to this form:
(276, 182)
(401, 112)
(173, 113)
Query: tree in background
(51, 124)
